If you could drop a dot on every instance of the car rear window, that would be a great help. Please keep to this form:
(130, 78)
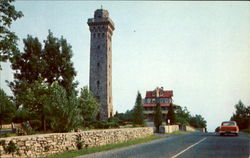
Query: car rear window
(228, 124)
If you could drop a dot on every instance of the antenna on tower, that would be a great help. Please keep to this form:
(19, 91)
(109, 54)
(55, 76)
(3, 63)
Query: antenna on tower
(101, 6)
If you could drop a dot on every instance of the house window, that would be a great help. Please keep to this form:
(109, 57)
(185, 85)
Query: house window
(94, 35)
(98, 65)
(103, 34)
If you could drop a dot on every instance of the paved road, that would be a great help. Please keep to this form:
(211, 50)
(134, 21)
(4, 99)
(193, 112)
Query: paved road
(194, 145)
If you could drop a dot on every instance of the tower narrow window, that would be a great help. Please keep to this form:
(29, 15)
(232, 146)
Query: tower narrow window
(98, 84)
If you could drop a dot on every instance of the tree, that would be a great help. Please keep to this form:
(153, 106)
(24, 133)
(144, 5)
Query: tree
(50, 64)
(158, 117)
(88, 106)
(64, 114)
(197, 121)
(182, 115)
(242, 115)
(8, 39)
(57, 54)
(29, 65)
(7, 108)
(138, 116)
(35, 102)
(171, 115)
(126, 117)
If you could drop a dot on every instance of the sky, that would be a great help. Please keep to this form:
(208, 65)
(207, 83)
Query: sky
(200, 50)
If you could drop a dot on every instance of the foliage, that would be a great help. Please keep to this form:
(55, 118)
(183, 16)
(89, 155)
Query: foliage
(126, 117)
(8, 39)
(197, 121)
(88, 106)
(171, 115)
(7, 108)
(11, 148)
(57, 54)
(182, 115)
(79, 144)
(35, 102)
(104, 124)
(138, 116)
(157, 117)
(55, 59)
(217, 129)
(49, 106)
(242, 115)
(64, 115)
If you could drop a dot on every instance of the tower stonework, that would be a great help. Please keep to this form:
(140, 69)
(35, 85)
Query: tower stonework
(100, 77)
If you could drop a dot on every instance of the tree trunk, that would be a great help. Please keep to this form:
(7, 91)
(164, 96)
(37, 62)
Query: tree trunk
(43, 121)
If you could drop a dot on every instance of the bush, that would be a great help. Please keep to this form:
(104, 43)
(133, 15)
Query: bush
(11, 148)
(104, 124)
(79, 144)
(217, 129)
(35, 124)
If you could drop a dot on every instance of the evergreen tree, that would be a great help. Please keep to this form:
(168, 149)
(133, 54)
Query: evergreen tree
(158, 117)
(242, 115)
(88, 106)
(138, 116)
(8, 39)
(7, 108)
(171, 115)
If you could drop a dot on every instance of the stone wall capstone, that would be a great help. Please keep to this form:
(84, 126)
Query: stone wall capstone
(47, 144)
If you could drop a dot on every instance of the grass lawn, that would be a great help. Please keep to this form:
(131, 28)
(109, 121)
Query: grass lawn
(178, 132)
(247, 131)
(103, 148)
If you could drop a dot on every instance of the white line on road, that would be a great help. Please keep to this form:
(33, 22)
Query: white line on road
(188, 148)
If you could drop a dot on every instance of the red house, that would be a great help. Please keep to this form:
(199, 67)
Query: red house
(157, 96)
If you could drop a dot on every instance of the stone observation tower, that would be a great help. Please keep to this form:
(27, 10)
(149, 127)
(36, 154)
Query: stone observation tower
(100, 78)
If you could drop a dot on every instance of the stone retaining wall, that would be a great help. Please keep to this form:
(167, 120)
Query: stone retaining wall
(46, 144)
(191, 129)
(169, 128)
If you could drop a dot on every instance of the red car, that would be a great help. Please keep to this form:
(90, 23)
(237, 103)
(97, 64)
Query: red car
(229, 127)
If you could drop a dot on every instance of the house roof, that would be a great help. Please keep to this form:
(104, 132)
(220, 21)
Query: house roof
(162, 94)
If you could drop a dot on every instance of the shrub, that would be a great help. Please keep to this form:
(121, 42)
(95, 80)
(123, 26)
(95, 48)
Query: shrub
(11, 148)
(79, 144)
